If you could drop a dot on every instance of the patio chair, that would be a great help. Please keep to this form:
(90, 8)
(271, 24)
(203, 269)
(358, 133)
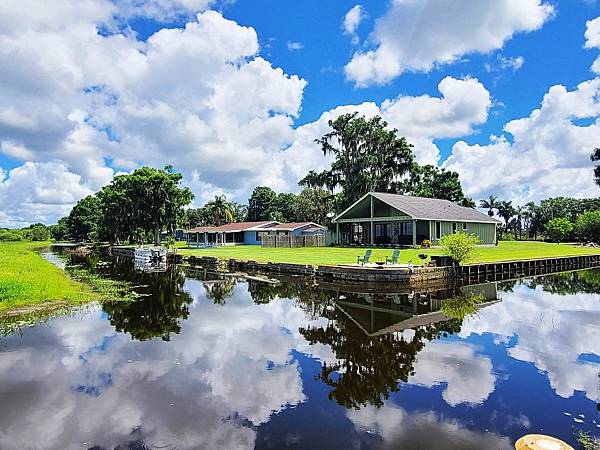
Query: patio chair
(394, 258)
(364, 259)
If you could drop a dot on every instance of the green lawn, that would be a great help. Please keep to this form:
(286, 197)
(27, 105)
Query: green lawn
(27, 279)
(509, 250)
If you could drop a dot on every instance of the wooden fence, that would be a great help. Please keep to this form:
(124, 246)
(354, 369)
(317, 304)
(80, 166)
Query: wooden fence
(293, 241)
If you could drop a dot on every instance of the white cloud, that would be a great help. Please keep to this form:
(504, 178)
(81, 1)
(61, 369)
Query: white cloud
(195, 97)
(292, 46)
(38, 192)
(399, 429)
(162, 10)
(416, 36)
(547, 156)
(463, 104)
(592, 40)
(505, 63)
(468, 377)
(566, 327)
(352, 20)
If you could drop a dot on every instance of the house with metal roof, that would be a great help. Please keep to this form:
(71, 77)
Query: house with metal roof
(249, 233)
(393, 219)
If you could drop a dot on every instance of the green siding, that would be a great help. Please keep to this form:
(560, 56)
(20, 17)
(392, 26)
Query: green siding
(485, 231)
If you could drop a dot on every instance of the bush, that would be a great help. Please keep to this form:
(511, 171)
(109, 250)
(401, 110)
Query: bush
(10, 235)
(558, 228)
(37, 232)
(459, 246)
(588, 226)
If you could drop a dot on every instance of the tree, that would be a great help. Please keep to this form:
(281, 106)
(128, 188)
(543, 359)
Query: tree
(260, 203)
(220, 211)
(36, 232)
(433, 182)
(314, 205)
(506, 210)
(284, 207)
(366, 157)
(459, 246)
(84, 218)
(60, 231)
(596, 157)
(490, 204)
(558, 228)
(142, 203)
(588, 225)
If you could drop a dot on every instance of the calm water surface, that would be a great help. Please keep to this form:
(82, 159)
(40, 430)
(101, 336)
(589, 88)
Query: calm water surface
(203, 361)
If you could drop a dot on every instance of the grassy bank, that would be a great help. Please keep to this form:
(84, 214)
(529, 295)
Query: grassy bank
(28, 280)
(509, 250)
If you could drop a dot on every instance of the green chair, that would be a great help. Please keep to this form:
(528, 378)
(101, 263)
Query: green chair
(394, 258)
(364, 259)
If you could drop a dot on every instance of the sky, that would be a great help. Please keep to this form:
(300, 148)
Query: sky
(234, 93)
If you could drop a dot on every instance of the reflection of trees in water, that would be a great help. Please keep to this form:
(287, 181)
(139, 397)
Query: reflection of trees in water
(564, 283)
(369, 368)
(307, 295)
(220, 290)
(158, 313)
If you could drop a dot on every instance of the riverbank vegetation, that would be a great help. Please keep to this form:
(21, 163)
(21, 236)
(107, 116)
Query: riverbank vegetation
(505, 251)
(27, 279)
(28, 282)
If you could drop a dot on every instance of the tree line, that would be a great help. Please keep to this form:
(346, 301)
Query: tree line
(366, 155)
(557, 218)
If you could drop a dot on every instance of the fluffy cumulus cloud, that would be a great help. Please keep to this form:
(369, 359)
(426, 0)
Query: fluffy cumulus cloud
(467, 377)
(592, 40)
(352, 20)
(462, 105)
(199, 98)
(399, 429)
(191, 392)
(545, 154)
(567, 326)
(416, 36)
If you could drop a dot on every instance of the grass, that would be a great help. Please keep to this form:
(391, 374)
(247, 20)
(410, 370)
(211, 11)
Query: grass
(28, 281)
(505, 251)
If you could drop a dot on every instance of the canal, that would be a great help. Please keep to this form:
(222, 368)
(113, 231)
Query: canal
(202, 360)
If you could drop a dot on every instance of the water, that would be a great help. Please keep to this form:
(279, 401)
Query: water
(202, 360)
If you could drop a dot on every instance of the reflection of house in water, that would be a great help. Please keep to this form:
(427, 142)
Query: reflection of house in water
(381, 313)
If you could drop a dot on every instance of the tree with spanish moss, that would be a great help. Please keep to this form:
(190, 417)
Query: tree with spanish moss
(367, 156)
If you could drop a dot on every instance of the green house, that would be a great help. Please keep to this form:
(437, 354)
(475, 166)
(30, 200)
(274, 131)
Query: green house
(392, 219)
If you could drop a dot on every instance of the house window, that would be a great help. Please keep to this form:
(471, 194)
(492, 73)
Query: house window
(454, 227)
(438, 230)
(258, 237)
(406, 229)
(464, 226)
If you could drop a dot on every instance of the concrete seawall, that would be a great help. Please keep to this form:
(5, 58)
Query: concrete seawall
(402, 274)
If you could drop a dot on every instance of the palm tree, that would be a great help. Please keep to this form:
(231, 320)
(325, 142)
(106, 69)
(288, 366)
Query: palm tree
(220, 210)
(490, 204)
(506, 210)
(520, 213)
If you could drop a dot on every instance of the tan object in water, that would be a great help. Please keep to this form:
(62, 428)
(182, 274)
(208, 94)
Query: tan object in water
(541, 442)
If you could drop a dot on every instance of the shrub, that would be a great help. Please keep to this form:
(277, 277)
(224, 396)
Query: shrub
(558, 228)
(10, 236)
(426, 243)
(459, 246)
(588, 225)
(37, 232)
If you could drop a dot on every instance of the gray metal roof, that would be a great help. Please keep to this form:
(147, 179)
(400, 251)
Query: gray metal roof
(433, 208)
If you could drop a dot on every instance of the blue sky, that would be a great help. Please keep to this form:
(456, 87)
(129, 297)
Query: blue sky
(234, 93)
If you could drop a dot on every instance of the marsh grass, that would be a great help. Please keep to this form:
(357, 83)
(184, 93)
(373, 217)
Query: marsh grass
(588, 442)
(28, 281)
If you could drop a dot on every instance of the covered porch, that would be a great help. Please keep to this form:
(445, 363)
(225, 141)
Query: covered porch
(373, 222)
(213, 238)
